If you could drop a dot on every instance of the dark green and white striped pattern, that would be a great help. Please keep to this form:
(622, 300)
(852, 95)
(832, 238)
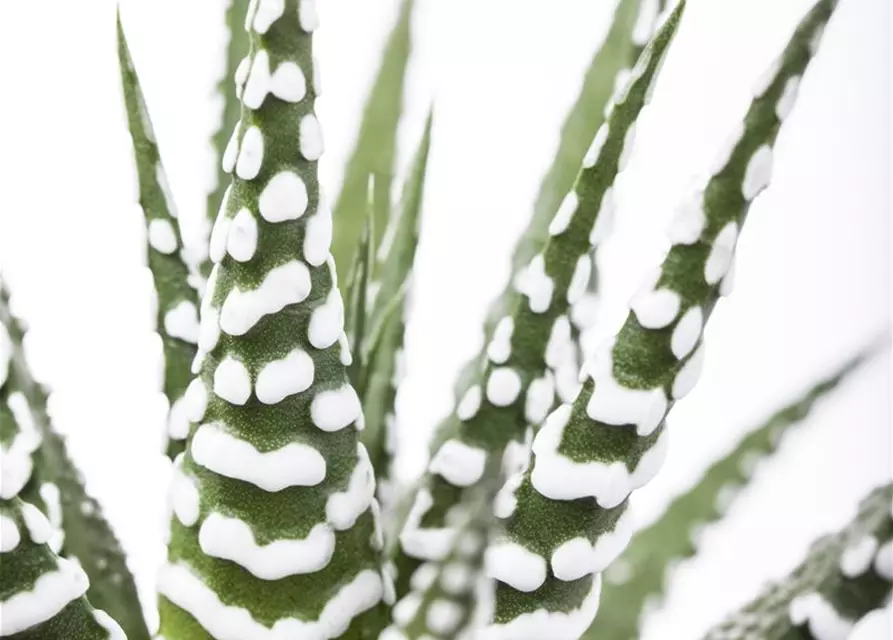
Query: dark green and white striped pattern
(41, 594)
(635, 583)
(844, 577)
(19, 435)
(50, 481)
(276, 528)
(569, 523)
(530, 344)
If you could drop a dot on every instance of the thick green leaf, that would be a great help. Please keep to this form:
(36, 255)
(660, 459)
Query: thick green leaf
(844, 577)
(374, 152)
(42, 595)
(639, 575)
(619, 50)
(57, 487)
(448, 586)
(555, 511)
(177, 316)
(531, 344)
(236, 53)
(384, 351)
(274, 530)
(589, 456)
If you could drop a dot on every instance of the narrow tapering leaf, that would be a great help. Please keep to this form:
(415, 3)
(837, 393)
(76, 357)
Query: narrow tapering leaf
(234, 57)
(275, 529)
(569, 523)
(639, 577)
(29, 441)
(385, 358)
(631, 27)
(531, 344)
(843, 578)
(375, 148)
(356, 313)
(177, 311)
(42, 595)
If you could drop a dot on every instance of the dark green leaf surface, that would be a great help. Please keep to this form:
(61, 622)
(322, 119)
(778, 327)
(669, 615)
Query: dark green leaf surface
(42, 595)
(56, 486)
(568, 524)
(531, 344)
(275, 521)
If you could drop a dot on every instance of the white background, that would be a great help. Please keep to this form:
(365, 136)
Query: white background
(813, 277)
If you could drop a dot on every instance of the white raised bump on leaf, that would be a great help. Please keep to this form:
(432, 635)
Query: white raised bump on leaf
(251, 154)
(286, 284)
(186, 590)
(293, 465)
(282, 378)
(284, 198)
(241, 237)
(515, 565)
(458, 463)
(232, 382)
(335, 409)
(232, 539)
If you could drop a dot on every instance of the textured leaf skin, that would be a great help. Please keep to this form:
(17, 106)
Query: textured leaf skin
(618, 51)
(450, 583)
(87, 535)
(773, 614)
(378, 387)
(72, 618)
(618, 418)
(540, 338)
(169, 270)
(276, 142)
(236, 50)
(670, 538)
(376, 143)
(539, 524)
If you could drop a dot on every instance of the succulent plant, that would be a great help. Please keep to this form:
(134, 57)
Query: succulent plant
(286, 517)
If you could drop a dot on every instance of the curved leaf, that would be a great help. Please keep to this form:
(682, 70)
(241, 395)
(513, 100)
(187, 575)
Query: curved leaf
(639, 575)
(569, 523)
(57, 487)
(843, 578)
(42, 595)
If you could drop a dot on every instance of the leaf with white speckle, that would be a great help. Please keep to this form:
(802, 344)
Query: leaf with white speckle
(88, 538)
(236, 52)
(42, 595)
(818, 600)
(640, 576)
(177, 319)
